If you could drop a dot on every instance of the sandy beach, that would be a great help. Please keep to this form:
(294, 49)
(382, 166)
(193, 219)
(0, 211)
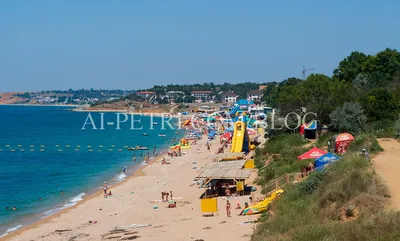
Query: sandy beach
(137, 201)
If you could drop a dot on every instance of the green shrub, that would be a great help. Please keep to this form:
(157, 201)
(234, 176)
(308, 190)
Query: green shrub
(397, 129)
(323, 140)
(366, 141)
(311, 183)
(382, 128)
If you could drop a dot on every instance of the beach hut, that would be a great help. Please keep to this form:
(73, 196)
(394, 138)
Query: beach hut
(221, 174)
(312, 154)
(340, 143)
(321, 161)
(309, 131)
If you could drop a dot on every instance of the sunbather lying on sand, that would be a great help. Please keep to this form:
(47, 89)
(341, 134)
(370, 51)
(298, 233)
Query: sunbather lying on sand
(172, 205)
(163, 161)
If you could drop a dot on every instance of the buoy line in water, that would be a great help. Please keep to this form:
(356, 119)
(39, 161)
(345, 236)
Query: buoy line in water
(71, 148)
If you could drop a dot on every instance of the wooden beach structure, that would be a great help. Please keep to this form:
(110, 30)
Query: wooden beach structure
(222, 171)
(228, 156)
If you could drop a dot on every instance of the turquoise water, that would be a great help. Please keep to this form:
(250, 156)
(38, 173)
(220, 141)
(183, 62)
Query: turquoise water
(43, 151)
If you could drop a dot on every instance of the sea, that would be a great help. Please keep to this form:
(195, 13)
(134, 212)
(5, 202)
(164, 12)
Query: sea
(52, 157)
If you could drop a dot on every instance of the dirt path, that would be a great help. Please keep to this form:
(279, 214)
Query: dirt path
(171, 111)
(387, 165)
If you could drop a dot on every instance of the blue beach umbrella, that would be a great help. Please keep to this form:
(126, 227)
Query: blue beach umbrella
(321, 161)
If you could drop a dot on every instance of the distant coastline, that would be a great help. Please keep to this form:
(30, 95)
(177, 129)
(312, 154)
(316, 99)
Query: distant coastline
(41, 105)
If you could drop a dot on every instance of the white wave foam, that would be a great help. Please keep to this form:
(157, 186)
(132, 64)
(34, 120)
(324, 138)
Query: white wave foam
(72, 202)
(121, 177)
(11, 230)
(77, 198)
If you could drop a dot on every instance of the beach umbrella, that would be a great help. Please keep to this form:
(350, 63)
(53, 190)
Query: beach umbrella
(250, 211)
(312, 154)
(325, 159)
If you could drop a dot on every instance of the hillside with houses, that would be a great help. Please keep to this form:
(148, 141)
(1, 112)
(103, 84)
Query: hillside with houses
(157, 95)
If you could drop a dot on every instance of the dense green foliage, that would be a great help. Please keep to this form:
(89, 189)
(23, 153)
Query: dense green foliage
(349, 117)
(372, 81)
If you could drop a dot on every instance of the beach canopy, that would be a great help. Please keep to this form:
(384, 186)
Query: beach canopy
(344, 137)
(312, 154)
(225, 170)
(325, 159)
(245, 102)
(312, 125)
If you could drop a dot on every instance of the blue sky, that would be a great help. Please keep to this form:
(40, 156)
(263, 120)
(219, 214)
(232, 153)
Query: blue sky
(135, 44)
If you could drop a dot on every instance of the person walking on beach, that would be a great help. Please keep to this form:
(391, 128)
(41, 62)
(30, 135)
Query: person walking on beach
(166, 196)
(105, 188)
(228, 208)
(154, 150)
(170, 195)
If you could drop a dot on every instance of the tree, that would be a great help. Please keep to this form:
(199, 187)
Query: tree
(380, 104)
(165, 100)
(271, 93)
(291, 81)
(350, 67)
(387, 61)
(349, 118)
(397, 129)
(315, 93)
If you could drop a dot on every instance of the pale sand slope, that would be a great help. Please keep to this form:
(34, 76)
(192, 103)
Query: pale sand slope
(387, 165)
(183, 223)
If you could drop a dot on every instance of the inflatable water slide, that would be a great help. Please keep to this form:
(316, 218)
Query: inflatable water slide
(240, 138)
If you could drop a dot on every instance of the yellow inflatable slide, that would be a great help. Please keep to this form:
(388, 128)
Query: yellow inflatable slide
(263, 205)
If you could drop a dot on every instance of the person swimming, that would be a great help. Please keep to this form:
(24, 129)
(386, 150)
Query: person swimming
(124, 169)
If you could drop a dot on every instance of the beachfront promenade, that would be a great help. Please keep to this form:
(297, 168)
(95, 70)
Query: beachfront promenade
(137, 201)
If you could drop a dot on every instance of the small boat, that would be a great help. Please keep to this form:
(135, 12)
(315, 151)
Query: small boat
(155, 123)
(145, 134)
(138, 148)
(162, 135)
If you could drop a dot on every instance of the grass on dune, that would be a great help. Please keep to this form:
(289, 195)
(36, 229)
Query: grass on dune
(344, 202)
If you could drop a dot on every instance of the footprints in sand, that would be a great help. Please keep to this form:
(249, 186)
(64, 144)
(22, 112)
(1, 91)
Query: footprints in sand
(120, 234)
(78, 237)
(67, 234)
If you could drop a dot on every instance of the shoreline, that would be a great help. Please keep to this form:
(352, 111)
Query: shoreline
(136, 200)
(38, 105)
(127, 112)
(137, 172)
